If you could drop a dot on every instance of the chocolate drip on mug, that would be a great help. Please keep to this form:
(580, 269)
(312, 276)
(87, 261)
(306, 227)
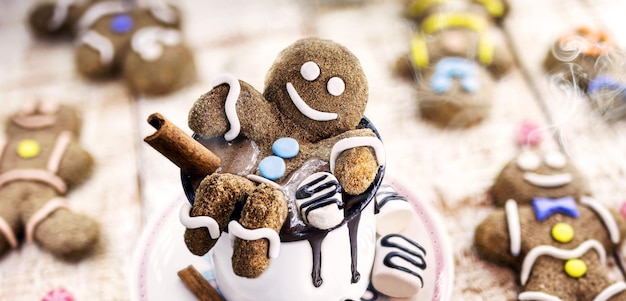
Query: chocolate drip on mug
(316, 250)
(421, 264)
(353, 229)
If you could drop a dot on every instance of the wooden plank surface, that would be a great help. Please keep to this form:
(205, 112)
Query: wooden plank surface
(447, 168)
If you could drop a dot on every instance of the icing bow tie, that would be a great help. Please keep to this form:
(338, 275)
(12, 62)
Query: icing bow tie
(606, 82)
(447, 69)
(545, 207)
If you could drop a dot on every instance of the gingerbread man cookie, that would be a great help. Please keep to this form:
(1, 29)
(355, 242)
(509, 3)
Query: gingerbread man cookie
(143, 44)
(454, 56)
(551, 231)
(292, 195)
(40, 162)
(589, 59)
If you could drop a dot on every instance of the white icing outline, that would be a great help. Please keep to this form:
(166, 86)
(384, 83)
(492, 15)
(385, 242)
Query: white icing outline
(548, 181)
(99, 43)
(528, 161)
(164, 13)
(306, 109)
(335, 86)
(61, 10)
(537, 296)
(605, 215)
(515, 232)
(555, 159)
(231, 101)
(97, 11)
(610, 291)
(310, 71)
(195, 222)
(237, 230)
(262, 180)
(148, 42)
(554, 252)
(352, 142)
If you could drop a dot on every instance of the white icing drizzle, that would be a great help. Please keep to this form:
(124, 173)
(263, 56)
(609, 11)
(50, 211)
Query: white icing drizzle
(306, 109)
(61, 10)
(528, 160)
(537, 296)
(148, 42)
(231, 100)
(195, 222)
(611, 291)
(547, 181)
(259, 179)
(97, 11)
(515, 232)
(605, 215)
(310, 71)
(353, 142)
(237, 230)
(101, 44)
(164, 13)
(554, 252)
(335, 86)
(555, 159)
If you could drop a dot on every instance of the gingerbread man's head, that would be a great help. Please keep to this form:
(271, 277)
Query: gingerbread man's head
(535, 174)
(318, 84)
(48, 116)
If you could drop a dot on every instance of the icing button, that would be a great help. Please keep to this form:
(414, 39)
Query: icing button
(286, 148)
(562, 232)
(272, 167)
(122, 23)
(575, 268)
(28, 148)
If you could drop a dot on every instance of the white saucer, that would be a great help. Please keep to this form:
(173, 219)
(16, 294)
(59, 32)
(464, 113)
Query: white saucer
(161, 253)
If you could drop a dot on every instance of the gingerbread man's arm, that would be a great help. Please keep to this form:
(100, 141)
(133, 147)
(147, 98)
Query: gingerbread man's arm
(230, 109)
(358, 154)
(492, 239)
(76, 165)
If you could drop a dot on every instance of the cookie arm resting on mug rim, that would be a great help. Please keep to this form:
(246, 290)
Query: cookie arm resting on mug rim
(217, 112)
(492, 239)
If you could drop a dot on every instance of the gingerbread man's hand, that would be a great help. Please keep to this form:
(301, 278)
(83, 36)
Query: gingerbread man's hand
(356, 169)
(222, 110)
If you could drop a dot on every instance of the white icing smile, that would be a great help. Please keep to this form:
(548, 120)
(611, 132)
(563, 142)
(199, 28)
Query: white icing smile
(306, 109)
(547, 181)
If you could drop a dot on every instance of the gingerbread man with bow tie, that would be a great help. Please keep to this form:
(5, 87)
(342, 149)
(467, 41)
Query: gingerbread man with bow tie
(551, 231)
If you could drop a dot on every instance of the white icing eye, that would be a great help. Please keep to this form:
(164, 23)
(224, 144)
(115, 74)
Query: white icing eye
(555, 159)
(336, 86)
(310, 71)
(528, 161)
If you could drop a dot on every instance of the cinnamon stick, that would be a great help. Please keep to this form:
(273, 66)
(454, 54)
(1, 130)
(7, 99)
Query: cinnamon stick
(188, 154)
(198, 285)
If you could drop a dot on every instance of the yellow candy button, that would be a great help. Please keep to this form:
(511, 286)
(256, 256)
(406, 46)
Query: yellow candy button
(28, 148)
(575, 268)
(562, 232)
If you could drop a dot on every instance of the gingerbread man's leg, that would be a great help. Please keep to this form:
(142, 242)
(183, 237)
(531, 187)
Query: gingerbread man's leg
(54, 227)
(216, 197)
(10, 224)
(265, 208)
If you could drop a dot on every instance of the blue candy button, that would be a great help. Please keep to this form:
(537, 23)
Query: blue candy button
(286, 148)
(122, 23)
(272, 167)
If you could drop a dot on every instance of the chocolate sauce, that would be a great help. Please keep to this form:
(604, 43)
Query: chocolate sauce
(353, 229)
(420, 263)
(316, 249)
(389, 196)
